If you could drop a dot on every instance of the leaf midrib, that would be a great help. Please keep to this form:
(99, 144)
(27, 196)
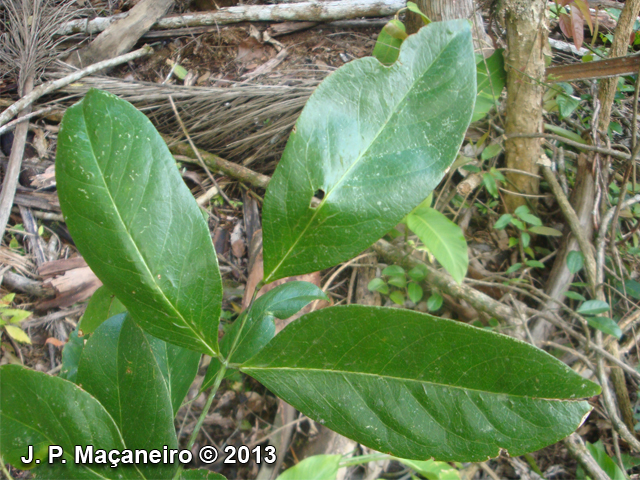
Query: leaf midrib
(401, 379)
(359, 158)
(135, 245)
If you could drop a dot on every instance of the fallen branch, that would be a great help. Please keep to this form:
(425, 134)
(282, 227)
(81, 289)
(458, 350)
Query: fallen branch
(303, 11)
(54, 85)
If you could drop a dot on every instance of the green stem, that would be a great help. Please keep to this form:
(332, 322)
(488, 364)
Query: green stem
(4, 469)
(372, 457)
(203, 415)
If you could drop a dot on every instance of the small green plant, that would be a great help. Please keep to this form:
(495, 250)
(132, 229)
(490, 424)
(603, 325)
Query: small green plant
(526, 224)
(398, 287)
(11, 317)
(361, 157)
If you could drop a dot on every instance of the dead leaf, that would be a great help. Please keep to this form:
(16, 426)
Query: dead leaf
(250, 50)
(55, 342)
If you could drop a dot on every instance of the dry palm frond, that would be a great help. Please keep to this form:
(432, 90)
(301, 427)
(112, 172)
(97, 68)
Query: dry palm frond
(27, 44)
(242, 122)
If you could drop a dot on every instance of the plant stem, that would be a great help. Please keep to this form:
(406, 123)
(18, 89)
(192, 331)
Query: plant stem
(4, 469)
(203, 415)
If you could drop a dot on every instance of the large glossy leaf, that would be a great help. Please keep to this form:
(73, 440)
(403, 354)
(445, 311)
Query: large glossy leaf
(371, 143)
(443, 238)
(256, 327)
(136, 223)
(419, 387)
(102, 306)
(119, 369)
(40, 410)
(179, 367)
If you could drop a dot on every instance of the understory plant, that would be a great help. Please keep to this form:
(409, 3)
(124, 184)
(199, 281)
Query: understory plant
(370, 145)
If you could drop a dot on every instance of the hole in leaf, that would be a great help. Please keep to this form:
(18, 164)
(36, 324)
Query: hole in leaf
(317, 198)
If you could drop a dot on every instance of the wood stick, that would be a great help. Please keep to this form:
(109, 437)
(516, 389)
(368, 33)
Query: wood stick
(303, 11)
(54, 85)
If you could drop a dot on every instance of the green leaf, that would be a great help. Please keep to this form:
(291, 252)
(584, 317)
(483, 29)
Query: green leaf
(378, 285)
(574, 296)
(606, 325)
(119, 369)
(444, 239)
(397, 297)
(593, 307)
(491, 79)
(393, 271)
(257, 326)
(71, 356)
(633, 288)
(387, 47)
(32, 405)
(518, 224)
(136, 223)
(418, 273)
(179, 367)
(432, 470)
(201, 474)
(415, 292)
(525, 238)
(435, 302)
(102, 306)
(372, 148)
(412, 7)
(605, 461)
(548, 231)
(400, 282)
(503, 221)
(17, 334)
(575, 261)
(566, 105)
(514, 268)
(490, 184)
(317, 467)
(491, 151)
(525, 216)
(534, 264)
(455, 392)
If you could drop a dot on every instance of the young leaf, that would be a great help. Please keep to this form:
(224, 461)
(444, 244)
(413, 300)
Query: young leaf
(102, 306)
(136, 223)
(575, 261)
(444, 239)
(503, 221)
(17, 334)
(397, 281)
(378, 285)
(574, 296)
(32, 405)
(408, 119)
(387, 47)
(431, 469)
(606, 325)
(455, 393)
(593, 307)
(491, 151)
(71, 354)
(490, 184)
(317, 467)
(514, 268)
(256, 327)
(393, 271)
(119, 369)
(534, 264)
(525, 238)
(412, 7)
(418, 273)
(435, 302)
(397, 297)
(415, 292)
